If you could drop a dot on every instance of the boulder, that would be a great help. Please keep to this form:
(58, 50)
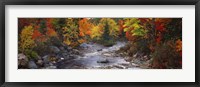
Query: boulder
(103, 61)
(39, 62)
(32, 65)
(22, 61)
(65, 55)
(54, 49)
(62, 48)
(21, 56)
(99, 50)
(83, 45)
(75, 51)
(46, 59)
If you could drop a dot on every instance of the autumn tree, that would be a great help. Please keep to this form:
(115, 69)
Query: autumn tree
(71, 32)
(96, 32)
(112, 26)
(26, 40)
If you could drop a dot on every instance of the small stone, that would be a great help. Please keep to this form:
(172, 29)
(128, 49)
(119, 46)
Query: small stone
(40, 62)
(32, 65)
(99, 50)
(103, 61)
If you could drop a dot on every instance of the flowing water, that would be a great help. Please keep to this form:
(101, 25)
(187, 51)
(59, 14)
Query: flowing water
(97, 56)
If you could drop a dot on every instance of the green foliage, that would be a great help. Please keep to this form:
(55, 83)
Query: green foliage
(43, 27)
(31, 54)
(70, 32)
(111, 25)
(107, 38)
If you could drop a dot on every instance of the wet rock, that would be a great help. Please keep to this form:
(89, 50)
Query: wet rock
(54, 49)
(65, 55)
(51, 64)
(83, 45)
(22, 61)
(32, 65)
(75, 51)
(103, 61)
(46, 59)
(62, 48)
(99, 50)
(39, 63)
(39, 57)
(69, 48)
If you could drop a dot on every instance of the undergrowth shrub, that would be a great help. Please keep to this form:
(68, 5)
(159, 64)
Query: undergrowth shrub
(166, 56)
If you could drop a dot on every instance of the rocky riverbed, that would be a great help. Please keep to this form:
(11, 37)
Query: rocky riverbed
(96, 56)
(87, 56)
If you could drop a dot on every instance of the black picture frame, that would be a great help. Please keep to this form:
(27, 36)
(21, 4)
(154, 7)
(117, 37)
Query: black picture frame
(98, 2)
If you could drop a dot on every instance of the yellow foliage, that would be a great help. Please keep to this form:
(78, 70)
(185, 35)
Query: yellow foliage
(81, 41)
(113, 27)
(71, 32)
(26, 41)
(66, 41)
(96, 32)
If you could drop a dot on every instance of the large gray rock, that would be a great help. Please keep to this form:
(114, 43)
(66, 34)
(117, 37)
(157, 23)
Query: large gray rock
(83, 45)
(75, 51)
(22, 60)
(32, 65)
(46, 59)
(54, 49)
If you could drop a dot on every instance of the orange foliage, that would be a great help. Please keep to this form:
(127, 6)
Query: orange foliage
(88, 32)
(85, 27)
(36, 34)
(81, 34)
(179, 46)
(51, 32)
(121, 27)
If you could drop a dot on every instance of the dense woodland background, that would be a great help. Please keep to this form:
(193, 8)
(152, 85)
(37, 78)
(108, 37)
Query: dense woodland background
(155, 42)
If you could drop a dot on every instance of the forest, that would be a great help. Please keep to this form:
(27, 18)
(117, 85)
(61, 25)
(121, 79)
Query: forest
(99, 43)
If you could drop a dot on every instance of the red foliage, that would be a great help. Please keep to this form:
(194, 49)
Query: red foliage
(121, 27)
(49, 23)
(159, 26)
(143, 20)
(36, 34)
(159, 38)
(129, 36)
(23, 22)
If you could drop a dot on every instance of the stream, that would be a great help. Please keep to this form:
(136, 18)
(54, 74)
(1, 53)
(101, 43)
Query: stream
(96, 56)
